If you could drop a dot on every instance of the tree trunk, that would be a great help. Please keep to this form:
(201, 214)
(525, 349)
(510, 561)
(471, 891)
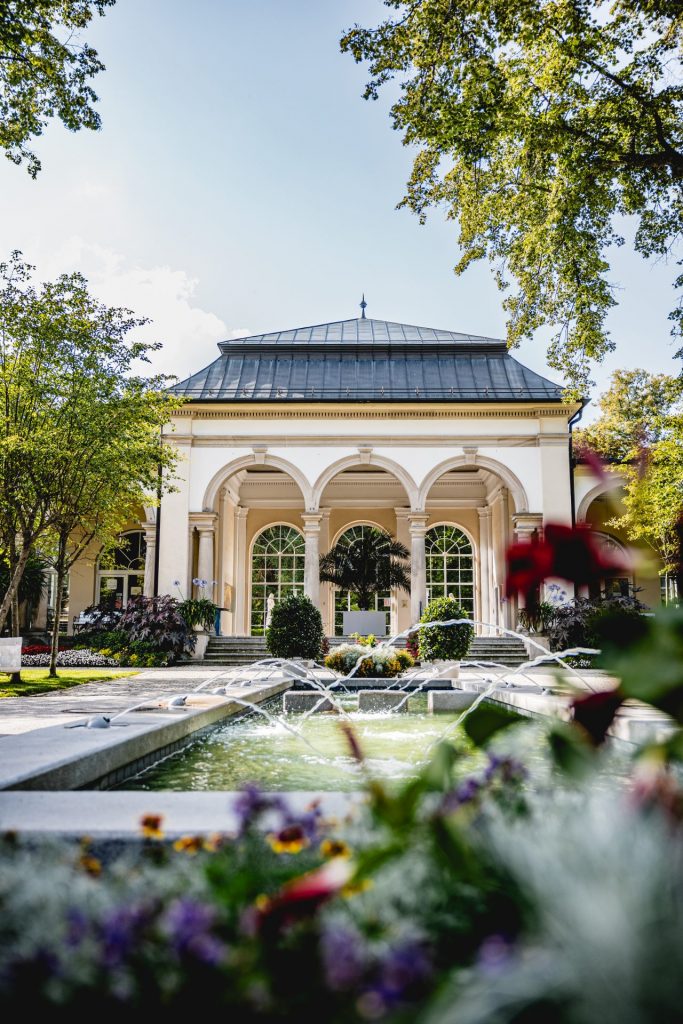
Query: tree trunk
(15, 580)
(15, 677)
(60, 566)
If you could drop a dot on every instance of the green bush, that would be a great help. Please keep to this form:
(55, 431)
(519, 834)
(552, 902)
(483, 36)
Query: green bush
(447, 643)
(296, 629)
(382, 662)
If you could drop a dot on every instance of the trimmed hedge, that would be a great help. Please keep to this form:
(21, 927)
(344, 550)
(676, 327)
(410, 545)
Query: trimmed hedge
(447, 643)
(296, 629)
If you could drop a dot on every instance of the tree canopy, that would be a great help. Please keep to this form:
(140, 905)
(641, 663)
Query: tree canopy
(45, 71)
(539, 125)
(640, 430)
(80, 434)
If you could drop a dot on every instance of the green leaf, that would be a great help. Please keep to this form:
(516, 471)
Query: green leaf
(570, 752)
(486, 720)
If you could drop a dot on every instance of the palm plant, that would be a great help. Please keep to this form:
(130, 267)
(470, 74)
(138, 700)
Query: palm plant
(367, 565)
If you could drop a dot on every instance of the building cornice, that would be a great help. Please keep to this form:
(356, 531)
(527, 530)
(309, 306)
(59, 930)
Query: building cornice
(370, 410)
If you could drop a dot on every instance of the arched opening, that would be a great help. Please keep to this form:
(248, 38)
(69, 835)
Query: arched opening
(449, 558)
(277, 569)
(347, 600)
(121, 570)
(612, 586)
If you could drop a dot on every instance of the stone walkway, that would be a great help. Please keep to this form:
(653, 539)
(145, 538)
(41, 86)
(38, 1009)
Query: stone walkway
(22, 714)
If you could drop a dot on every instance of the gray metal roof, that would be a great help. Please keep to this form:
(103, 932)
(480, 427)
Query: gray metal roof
(366, 360)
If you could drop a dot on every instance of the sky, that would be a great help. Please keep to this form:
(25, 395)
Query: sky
(241, 184)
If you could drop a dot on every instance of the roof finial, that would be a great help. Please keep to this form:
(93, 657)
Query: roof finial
(363, 304)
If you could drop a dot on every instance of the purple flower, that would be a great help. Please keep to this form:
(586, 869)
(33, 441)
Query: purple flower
(494, 953)
(342, 957)
(188, 924)
(402, 975)
(120, 931)
(465, 793)
(77, 926)
(253, 802)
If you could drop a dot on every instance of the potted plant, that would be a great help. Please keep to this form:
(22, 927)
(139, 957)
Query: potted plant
(368, 565)
(199, 612)
(444, 646)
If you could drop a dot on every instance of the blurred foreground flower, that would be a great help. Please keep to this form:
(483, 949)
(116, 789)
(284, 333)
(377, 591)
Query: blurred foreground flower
(150, 826)
(572, 553)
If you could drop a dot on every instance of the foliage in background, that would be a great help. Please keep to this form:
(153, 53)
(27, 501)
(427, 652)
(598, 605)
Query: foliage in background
(45, 70)
(296, 629)
(33, 582)
(640, 433)
(156, 621)
(367, 565)
(577, 623)
(380, 662)
(447, 643)
(537, 125)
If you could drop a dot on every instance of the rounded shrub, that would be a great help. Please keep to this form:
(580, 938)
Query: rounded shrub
(447, 643)
(296, 629)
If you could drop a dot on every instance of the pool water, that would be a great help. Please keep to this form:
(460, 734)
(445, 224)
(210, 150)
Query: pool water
(296, 752)
(254, 749)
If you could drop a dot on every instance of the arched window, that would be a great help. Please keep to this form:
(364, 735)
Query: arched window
(121, 570)
(450, 566)
(345, 600)
(612, 586)
(277, 568)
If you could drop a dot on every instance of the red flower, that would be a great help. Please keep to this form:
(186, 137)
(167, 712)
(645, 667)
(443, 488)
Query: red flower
(571, 552)
(301, 897)
(527, 567)
(595, 713)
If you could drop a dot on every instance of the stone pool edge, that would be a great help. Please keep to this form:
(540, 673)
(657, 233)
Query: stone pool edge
(69, 757)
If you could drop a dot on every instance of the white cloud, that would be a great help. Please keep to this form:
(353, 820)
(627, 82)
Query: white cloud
(241, 332)
(164, 295)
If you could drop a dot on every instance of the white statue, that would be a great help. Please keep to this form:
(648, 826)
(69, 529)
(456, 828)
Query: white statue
(270, 604)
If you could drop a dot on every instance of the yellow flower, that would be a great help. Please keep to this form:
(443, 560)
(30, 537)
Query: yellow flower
(213, 842)
(334, 848)
(262, 902)
(353, 888)
(291, 839)
(150, 825)
(91, 865)
(189, 844)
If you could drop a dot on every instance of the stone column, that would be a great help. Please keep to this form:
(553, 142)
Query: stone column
(311, 568)
(403, 618)
(484, 610)
(500, 527)
(226, 596)
(150, 529)
(205, 559)
(326, 593)
(526, 525)
(174, 539)
(241, 585)
(418, 565)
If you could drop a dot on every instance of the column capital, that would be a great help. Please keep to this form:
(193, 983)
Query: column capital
(417, 523)
(484, 512)
(526, 523)
(312, 521)
(203, 521)
(241, 512)
(403, 512)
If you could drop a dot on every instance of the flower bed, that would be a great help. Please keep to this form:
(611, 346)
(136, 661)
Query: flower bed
(378, 662)
(82, 658)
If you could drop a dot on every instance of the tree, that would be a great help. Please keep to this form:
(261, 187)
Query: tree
(640, 431)
(45, 71)
(370, 564)
(80, 435)
(537, 124)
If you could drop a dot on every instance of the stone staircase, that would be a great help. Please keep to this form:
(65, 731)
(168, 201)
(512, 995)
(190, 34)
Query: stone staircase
(244, 650)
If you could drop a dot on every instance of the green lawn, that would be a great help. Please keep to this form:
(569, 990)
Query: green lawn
(35, 680)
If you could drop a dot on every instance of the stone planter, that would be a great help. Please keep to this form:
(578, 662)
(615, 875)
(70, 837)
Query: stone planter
(200, 647)
(445, 669)
(10, 653)
(364, 623)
